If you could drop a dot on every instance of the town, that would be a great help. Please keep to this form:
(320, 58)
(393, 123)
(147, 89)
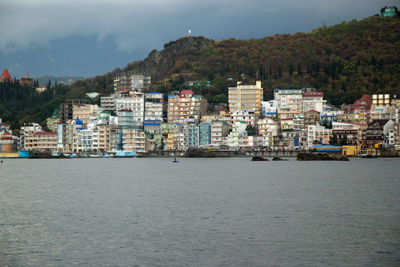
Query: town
(133, 121)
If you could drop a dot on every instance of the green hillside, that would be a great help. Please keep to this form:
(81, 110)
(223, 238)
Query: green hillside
(344, 61)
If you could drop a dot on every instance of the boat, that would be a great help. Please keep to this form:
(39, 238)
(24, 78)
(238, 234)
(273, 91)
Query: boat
(175, 160)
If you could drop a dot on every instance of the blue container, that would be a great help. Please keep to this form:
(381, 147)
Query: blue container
(25, 154)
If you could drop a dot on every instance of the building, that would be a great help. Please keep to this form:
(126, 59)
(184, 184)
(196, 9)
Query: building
(347, 133)
(269, 109)
(153, 111)
(67, 108)
(187, 107)
(388, 11)
(41, 142)
(377, 130)
(268, 128)
(219, 130)
(7, 141)
(204, 134)
(361, 109)
(287, 124)
(133, 140)
(246, 98)
(68, 136)
(191, 134)
(289, 101)
(131, 81)
(311, 117)
(313, 101)
(237, 138)
(104, 137)
(134, 102)
(317, 134)
(85, 112)
(26, 80)
(5, 76)
(248, 116)
(125, 118)
(108, 102)
(28, 129)
(381, 100)
(176, 139)
(299, 122)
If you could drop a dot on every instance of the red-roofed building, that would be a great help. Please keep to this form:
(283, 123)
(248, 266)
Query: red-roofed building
(6, 76)
(26, 80)
(313, 101)
(361, 109)
(186, 93)
(7, 140)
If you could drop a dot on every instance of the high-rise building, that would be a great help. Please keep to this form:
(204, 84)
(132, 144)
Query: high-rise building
(134, 102)
(246, 98)
(153, 111)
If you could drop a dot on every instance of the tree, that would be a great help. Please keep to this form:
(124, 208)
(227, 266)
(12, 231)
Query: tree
(299, 70)
(279, 71)
(251, 130)
(290, 69)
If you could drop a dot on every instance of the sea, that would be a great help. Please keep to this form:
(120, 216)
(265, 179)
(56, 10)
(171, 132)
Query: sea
(199, 212)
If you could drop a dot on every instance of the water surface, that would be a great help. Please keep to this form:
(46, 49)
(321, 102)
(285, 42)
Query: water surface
(199, 212)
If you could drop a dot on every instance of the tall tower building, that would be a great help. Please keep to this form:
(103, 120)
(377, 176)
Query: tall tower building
(246, 98)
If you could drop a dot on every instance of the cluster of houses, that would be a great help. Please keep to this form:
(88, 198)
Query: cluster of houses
(133, 120)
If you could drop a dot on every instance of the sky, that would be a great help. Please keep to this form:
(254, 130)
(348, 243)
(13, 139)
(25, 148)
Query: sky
(92, 37)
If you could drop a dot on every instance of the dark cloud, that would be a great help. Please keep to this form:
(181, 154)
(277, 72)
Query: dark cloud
(130, 29)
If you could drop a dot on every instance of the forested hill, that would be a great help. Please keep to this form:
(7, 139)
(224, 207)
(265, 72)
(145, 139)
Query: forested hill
(344, 61)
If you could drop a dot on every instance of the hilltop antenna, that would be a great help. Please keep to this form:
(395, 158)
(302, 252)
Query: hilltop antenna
(189, 33)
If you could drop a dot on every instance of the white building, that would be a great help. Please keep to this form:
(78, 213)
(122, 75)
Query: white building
(134, 102)
(238, 135)
(318, 134)
(153, 111)
(108, 102)
(219, 130)
(269, 109)
(289, 101)
(313, 101)
(243, 115)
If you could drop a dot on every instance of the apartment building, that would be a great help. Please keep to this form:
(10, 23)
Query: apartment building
(246, 98)
(313, 101)
(187, 107)
(85, 112)
(133, 140)
(204, 134)
(289, 101)
(153, 111)
(108, 102)
(134, 102)
(41, 142)
(219, 130)
(317, 134)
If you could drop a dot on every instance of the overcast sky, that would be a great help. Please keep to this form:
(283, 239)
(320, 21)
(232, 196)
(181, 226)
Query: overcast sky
(91, 37)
